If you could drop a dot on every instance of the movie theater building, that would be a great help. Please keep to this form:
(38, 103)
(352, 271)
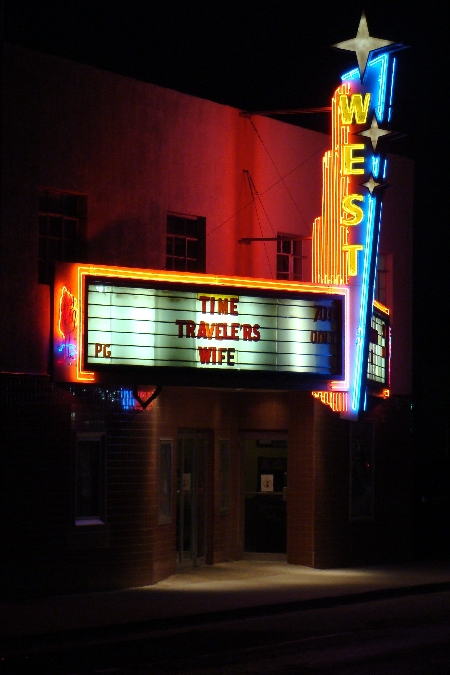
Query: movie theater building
(206, 330)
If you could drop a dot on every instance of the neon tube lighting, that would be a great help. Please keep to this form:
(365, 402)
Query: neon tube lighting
(338, 401)
(332, 231)
(361, 333)
(376, 258)
(375, 166)
(84, 271)
(381, 307)
(350, 75)
(382, 90)
(391, 95)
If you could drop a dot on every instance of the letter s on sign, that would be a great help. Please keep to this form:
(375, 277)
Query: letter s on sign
(353, 210)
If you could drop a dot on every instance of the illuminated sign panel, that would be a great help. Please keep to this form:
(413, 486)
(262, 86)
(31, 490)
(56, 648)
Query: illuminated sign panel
(378, 365)
(157, 326)
(346, 235)
(138, 326)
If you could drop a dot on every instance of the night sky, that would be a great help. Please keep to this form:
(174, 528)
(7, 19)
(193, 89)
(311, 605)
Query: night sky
(275, 56)
(249, 55)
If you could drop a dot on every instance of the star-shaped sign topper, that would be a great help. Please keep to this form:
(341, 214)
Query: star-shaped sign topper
(363, 44)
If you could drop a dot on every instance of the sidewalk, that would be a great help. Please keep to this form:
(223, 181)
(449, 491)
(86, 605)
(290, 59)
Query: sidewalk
(213, 592)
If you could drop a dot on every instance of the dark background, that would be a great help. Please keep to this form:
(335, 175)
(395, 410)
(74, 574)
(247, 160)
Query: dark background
(275, 56)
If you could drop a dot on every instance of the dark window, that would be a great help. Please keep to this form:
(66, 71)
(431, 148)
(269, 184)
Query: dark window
(89, 479)
(381, 279)
(62, 230)
(289, 259)
(186, 244)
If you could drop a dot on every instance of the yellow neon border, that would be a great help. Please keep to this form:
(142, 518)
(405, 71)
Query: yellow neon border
(202, 280)
(381, 307)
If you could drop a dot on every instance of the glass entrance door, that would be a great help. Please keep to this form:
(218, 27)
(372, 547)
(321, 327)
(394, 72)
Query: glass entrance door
(265, 480)
(191, 497)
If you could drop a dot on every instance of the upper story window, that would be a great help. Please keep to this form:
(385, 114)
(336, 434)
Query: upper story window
(186, 243)
(62, 226)
(289, 258)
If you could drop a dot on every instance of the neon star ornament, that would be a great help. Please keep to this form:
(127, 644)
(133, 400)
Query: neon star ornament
(374, 132)
(371, 184)
(363, 44)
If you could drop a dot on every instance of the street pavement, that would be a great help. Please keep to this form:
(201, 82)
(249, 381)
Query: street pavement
(213, 593)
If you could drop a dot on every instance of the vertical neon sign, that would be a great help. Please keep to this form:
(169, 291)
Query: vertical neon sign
(346, 235)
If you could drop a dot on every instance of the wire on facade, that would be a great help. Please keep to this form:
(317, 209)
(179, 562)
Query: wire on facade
(255, 195)
(281, 177)
(316, 152)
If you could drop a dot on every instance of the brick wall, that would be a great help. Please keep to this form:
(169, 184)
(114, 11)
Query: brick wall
(43, 551)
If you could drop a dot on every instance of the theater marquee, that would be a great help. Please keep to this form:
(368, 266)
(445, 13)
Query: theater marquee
(146, 324)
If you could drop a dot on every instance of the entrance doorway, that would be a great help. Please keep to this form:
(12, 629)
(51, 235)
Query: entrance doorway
(265, 480)
(192, 487)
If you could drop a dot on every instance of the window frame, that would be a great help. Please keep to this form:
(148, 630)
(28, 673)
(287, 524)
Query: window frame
(293, 257)
(191, 234)
(60, 226)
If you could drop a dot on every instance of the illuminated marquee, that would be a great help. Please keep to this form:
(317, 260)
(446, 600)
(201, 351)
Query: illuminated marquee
(346, 235)
(151, 321)
(138, 326)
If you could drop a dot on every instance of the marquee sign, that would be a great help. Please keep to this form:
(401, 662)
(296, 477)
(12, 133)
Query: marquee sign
(145, 324)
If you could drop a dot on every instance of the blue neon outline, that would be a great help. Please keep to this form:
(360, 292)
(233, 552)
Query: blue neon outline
(72, 348)
(127, 399)
(391, 95)
(383, 81)
(385, 168)
(350, 75)
(361, 332)
(375, 166)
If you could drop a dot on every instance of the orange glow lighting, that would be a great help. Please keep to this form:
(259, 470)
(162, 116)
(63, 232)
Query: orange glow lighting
(67, 321)
(84, 271)
(381, 307)
(337, 400)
